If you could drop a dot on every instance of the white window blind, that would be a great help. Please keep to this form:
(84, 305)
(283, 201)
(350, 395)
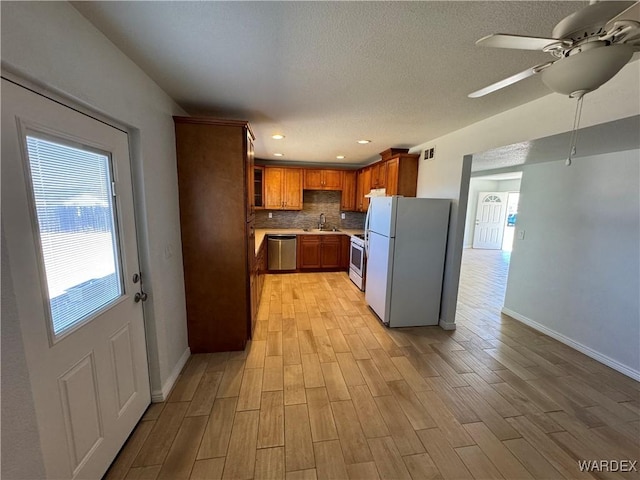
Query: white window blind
(78, 234)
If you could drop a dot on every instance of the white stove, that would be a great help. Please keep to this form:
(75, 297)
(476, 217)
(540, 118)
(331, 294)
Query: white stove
(357, 261)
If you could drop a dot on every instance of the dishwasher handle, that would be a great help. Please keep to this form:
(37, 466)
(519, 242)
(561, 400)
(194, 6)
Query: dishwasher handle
(281, 236)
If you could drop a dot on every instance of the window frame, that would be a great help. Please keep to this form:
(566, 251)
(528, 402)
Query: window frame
(33, 130)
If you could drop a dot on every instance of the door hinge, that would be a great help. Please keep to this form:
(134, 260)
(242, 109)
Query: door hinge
(113, 189)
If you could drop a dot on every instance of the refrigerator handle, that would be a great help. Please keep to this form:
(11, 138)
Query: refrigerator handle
(366, 231)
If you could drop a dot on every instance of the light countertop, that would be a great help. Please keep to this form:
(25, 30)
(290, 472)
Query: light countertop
(262, 232)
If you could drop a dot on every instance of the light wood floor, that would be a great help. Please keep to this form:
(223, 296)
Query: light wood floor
(325, 391)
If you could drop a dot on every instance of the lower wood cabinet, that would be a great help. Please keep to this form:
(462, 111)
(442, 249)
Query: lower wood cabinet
(261, 265)
(345, 251)
(260, 271)
(330, 251)
(309, 251)
(317, 252)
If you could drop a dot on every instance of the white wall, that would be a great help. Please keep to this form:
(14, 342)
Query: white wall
(21, 454)
(446, 176)
(477, 185)
(576, 272)
(509, 185)
(52, 44)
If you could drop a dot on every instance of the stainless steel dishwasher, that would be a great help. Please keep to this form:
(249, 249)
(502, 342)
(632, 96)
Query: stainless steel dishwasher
(281, 252)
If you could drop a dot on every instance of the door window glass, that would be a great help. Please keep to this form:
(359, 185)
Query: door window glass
(75, 211)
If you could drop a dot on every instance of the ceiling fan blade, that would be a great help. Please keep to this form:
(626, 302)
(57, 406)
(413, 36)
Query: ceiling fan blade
(529, 72)
(631, 13)
(504, 40)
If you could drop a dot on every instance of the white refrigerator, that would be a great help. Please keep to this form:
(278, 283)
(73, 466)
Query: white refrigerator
(405, 245)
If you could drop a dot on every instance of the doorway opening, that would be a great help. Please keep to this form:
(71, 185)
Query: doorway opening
(492, 211)
(490, 228)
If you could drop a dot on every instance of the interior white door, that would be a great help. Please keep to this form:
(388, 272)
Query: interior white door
(68, 219)
(490, 219)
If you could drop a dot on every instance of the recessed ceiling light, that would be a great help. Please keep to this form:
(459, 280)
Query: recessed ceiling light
(340, 157)
(277, 136)
(278, 154)
(363, 142)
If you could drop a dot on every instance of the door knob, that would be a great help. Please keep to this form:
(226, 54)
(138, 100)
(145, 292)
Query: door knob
(140, 297)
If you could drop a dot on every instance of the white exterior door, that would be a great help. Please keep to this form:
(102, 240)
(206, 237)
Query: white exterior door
(68, 220)
(490, 219)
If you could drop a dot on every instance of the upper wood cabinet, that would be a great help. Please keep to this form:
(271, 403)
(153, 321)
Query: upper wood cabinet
(393, 167)
(316, 179)
(212, 160)
(282, 188)
(402, 175)
(292, 189)
(258, 187)
(273, 181)
(363, 188)
(348, 200)
(379, 175)
(250, 187)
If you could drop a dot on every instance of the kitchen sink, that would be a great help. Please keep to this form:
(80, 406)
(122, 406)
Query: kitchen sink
(318, 230)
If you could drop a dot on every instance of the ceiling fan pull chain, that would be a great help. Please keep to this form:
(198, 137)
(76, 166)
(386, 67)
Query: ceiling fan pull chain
(576, 123)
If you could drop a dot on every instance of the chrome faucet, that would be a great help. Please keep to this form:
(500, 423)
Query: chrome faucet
(323, 220)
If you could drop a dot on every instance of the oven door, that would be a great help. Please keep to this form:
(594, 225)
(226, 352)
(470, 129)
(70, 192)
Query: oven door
(356, 259)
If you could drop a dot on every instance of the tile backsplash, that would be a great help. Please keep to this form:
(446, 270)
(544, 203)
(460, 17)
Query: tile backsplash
(314, 203)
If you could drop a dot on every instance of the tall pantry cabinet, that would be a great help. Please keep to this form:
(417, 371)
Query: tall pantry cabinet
(215, 178)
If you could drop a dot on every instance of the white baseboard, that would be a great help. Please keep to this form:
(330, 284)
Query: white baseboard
(447, 325)
(161, 395)
(588, 351)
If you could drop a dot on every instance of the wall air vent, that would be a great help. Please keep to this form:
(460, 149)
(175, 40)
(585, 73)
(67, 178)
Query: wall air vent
(429, 153)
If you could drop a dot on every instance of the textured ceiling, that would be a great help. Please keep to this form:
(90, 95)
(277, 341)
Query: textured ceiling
(326, 74)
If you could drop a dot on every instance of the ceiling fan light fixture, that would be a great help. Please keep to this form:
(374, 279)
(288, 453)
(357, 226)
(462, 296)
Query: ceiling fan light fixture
(587, 70)
(587, 19)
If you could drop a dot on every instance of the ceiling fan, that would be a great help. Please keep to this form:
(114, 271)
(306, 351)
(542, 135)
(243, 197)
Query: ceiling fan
(590, 46)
